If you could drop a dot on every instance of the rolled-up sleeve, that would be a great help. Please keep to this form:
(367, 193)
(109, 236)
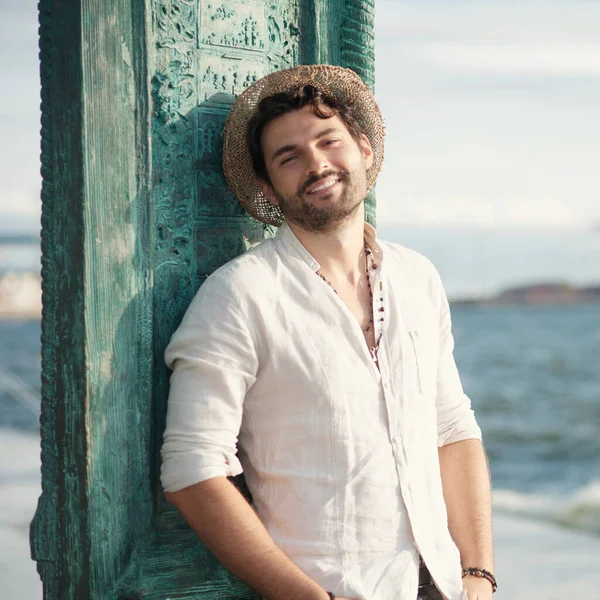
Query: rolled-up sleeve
(455, 417)
(214, 361)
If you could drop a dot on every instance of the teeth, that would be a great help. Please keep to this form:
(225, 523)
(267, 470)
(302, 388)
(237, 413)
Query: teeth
(324, 186)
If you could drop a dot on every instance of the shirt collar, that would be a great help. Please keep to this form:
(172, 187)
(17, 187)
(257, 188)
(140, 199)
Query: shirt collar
(288, 237)
(373, 244)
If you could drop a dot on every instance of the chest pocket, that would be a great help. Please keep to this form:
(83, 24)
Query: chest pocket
(414, 320)
(425, 347)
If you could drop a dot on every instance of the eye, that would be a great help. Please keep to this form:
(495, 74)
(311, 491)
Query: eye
(330, 142)
(287, 159)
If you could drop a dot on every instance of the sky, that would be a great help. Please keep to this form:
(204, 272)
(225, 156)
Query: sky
(19, 115)
(491, 110)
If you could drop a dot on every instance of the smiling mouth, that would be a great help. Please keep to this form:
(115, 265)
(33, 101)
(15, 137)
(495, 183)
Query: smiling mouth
(323, 186)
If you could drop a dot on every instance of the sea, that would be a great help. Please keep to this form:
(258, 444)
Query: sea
(532, 373)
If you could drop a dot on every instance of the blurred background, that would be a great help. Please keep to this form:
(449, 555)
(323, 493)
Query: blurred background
(491, 171)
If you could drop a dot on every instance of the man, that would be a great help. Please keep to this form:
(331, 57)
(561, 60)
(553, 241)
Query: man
(320, 363)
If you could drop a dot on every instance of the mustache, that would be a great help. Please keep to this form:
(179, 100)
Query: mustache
(311, 179)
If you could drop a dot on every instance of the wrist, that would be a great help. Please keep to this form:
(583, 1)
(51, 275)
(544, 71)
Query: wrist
(317, 593)
(301, 590)
(474, 573)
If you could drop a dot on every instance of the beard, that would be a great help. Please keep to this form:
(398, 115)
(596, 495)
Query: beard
(298, 209)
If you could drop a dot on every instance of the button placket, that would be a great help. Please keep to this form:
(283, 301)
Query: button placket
(378, 306)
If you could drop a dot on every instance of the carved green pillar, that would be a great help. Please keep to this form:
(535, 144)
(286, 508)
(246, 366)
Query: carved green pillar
(135, 215)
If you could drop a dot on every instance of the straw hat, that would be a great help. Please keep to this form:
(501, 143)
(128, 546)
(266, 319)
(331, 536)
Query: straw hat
(338, 82)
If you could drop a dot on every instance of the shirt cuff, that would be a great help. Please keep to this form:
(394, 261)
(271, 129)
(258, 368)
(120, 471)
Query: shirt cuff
(179, 471)
(465, 429)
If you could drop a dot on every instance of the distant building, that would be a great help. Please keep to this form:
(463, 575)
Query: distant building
(20, 296)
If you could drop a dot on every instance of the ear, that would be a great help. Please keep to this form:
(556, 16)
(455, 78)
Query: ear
(366, 149)
(267, 189)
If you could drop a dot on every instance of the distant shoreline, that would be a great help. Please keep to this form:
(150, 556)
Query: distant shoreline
(538, 294)
(9, 238)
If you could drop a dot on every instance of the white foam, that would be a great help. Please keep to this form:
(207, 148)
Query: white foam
(20, 454)
(18, 576)
(578, 510)
(19, 490)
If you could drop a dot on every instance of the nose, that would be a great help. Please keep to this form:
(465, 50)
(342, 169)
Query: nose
(316, 161)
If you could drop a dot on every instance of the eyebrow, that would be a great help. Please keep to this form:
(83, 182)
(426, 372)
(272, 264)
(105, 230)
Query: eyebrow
(290, 147)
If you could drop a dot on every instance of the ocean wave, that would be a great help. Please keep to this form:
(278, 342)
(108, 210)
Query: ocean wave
(19, 402)
(579, 510)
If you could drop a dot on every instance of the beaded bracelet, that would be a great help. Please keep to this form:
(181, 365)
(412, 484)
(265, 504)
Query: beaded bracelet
(477, 572)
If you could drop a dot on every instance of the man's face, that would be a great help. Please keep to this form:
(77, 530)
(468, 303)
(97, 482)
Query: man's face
(318, 170)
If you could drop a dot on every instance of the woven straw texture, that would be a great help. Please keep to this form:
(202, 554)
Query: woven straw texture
(337, 81)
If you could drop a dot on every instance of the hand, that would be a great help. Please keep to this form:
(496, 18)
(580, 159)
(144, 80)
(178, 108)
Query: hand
(477, 588)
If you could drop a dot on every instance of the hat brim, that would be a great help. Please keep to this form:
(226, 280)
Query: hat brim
(341, 83)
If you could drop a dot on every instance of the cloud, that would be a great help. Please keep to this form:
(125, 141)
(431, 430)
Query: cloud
(552, 21)
(510, 212)
(491, 111)
(525, 58)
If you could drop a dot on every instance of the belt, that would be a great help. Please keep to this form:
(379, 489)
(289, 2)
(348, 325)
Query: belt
(425, 578)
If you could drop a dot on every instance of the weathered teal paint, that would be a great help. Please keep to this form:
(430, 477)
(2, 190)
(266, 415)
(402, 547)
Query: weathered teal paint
(97, 334)
(135, 215)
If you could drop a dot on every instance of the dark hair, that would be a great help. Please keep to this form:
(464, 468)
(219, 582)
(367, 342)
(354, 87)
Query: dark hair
(323, 106)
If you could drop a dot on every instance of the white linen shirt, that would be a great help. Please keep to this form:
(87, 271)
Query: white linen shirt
(341, 458)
